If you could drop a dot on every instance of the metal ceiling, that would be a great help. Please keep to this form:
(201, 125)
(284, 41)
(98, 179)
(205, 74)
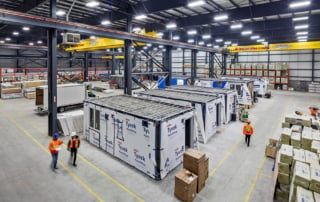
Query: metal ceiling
(270, 19)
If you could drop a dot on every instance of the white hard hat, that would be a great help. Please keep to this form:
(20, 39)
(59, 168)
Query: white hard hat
(73, 134)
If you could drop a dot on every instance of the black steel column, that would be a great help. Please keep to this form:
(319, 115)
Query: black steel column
(193, 65)
(52, 73)
(183, 55)
(211, 65)
(128, 60)
(17, 59)
(224, 64)
(113, 65)
(312, 65)
(268, 62)
(86, 66)
(169, 64)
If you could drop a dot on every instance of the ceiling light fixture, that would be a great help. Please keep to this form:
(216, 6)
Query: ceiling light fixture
(92, 37)
(106, 22)
(206, 36)
(161, 46)
(25, 28)
(60, 13)
(160, 34)
(15, 33)
(209, 45)
(302, 40)
(299, 4)
(234, 44)
(302, 37)
(136, 29)
(247, 32)
(201, 43)
(140, 17)
(179, 49)
(171, 26)
(196, 3)
(255, 37)
(301, 27)
(302, 33)
(261, 40)
(175, 38)
(164, 50)
(39, 42)
(227, 42)
(192, 32)
(149, 44)
(145, 48)
(236, 26)
(31, 44)
(219, 40)
(216, 47)
(92, 4)
(300, 18)
(2, 41)
(8, 39)
(220, 17)
(190, 40)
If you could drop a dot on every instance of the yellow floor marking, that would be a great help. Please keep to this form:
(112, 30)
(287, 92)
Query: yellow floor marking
(87, 187)
(229, 152)
(91, 165)
(254, 182)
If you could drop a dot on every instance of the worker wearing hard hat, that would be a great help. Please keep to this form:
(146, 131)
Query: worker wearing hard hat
(73, 145)
(54, 149)
(248, 131)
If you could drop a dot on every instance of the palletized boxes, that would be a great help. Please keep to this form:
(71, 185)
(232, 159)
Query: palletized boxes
(296, 140)
(278, 73)
(272, 73)
(306, 139)
(312, 158)
(301, 175)
(185, 185)
(195, 161)
(271, 79)
(296, 128)
(278, 80)
(271, 148)
(248, 72)
(286, 136)
(286, 154)
(304, 195)
(284, 80)
(259, 73)
(315, 178)
(237, 72)
(242, 72)
(265, 73)
(315, 146)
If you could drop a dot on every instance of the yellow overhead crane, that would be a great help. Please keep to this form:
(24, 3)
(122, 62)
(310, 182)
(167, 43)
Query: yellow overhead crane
(106, 43)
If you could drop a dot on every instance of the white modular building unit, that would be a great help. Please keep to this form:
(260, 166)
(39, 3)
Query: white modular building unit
(243, 88)
(67, 95)
(207, 109)
(230, 98)
(148, 135)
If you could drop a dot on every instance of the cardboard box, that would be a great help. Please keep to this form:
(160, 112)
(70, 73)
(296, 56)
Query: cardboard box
(284, 168)
(286, 135)
(284, 178)
(301, 176)
(185, 185)
(315, 179)
(282, 195)
(194, 161)
(304, 195)
(30, 95)
(286, 154)
(296, 140)
(206, 168)
(271, 151)
(11, 90)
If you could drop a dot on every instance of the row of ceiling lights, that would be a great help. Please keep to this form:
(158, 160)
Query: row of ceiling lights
(16, 33)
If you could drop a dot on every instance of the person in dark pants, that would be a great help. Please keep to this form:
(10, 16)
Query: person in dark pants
(73, 145)
(248, 131)
(54, 149)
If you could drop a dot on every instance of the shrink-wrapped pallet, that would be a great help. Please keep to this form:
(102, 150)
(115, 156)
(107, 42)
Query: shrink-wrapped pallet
(306, 139)
(301, 175)
(304, 195)
(315, 179)
(315, 146)
(286, 136)
(296, 128)
(312, 158)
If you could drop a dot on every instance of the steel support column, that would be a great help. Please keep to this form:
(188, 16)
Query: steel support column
(70, 60)
(183, 56)
(86, 66)
(211, 65)
(224, 64)
(312, 65)
(113, 65)
(168, 63)
(52, 73)
(193, 65)
(268, 60)
(128, 60)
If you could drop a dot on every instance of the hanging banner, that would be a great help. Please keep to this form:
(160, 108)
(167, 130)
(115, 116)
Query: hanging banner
(276, 47)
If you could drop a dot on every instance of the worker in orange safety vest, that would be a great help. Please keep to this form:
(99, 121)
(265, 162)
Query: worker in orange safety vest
(54, 150)
(247, 131)
(313, 111)
(73, 145)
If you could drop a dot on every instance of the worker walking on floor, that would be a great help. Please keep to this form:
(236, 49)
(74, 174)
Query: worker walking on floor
(248, 131)
(54, 149)
(73, 145)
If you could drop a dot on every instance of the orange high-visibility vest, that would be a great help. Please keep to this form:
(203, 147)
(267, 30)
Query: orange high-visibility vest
(53, 145)
(76, 145)
(313, 112)
(247, 129)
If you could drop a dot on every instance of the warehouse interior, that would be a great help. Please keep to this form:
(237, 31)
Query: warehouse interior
(159, 93)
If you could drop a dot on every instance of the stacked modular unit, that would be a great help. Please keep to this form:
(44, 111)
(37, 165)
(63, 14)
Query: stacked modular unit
(207, 109)
(149, 135)
(245, 89)
(229, 97)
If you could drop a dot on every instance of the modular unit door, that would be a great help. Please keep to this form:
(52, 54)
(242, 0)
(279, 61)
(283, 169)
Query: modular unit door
(106, 131)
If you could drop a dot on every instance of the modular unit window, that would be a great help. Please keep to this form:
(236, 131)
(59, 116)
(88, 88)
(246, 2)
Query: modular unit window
(97, 121)
(91, 118)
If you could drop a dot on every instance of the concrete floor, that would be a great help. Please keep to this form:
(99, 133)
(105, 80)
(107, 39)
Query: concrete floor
(237, 173)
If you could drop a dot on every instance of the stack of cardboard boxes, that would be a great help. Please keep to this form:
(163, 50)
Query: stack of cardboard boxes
(298, 163)
(192, 178)
(29, 88)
